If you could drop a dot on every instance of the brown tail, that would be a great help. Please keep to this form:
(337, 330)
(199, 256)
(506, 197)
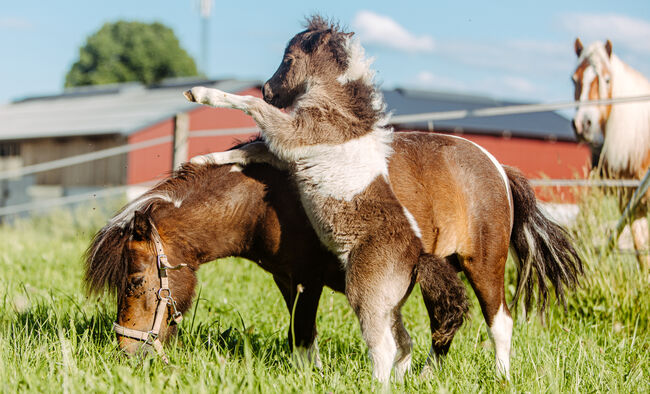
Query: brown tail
(445, 299)
(543, 248)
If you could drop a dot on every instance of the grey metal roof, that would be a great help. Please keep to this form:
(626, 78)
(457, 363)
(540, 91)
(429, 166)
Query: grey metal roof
(542, 125)
(126, 108)
(104, 109)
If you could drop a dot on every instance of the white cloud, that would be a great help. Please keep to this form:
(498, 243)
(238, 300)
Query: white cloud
(518, 84)
(15, 23)
(522, 56)
(430, 80)
(384, 31)
(626, 31)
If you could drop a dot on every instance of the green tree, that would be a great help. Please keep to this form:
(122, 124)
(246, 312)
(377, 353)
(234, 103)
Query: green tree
(130, 51)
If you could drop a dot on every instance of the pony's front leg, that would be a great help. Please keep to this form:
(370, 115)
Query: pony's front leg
(218, 98)
(278, 127)
(254, 152)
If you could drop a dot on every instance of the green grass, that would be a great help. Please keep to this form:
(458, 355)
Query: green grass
(52, 338)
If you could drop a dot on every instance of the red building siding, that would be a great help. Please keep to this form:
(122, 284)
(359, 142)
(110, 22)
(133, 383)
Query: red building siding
(535, 158)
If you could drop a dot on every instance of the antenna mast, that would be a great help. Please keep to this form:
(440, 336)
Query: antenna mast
(206, 10)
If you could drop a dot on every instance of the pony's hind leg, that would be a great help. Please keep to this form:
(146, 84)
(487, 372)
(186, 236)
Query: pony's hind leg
(486, 277)
(446, 302)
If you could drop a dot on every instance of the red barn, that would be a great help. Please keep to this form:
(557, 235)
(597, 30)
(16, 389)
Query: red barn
(82, 120)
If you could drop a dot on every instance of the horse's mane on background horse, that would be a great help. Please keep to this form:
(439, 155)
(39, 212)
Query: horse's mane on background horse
(621, 131)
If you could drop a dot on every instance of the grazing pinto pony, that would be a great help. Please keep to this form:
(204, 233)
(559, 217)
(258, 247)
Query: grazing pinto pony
(205, 212)
(623, 130)
(337, 146)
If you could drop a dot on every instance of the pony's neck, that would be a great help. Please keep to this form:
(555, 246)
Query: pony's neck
(627, 131)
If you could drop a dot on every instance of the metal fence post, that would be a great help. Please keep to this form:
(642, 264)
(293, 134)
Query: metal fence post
(181, 137)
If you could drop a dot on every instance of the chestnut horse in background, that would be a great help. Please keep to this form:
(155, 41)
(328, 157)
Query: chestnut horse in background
(622, 130)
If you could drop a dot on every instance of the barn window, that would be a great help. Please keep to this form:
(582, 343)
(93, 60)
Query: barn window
(9, 149)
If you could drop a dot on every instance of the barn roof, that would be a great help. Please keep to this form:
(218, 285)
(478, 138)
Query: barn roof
(103, 109)
(126, 108)
(542, 125)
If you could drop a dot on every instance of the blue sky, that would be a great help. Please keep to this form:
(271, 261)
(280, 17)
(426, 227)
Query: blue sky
(520, 50)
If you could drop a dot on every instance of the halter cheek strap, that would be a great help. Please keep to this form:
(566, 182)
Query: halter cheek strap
(165, 300)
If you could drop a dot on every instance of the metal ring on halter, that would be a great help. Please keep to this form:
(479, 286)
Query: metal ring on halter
(169, 294)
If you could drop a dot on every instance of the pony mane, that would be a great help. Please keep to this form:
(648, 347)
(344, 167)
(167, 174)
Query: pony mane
(358, 78)
(106, 265)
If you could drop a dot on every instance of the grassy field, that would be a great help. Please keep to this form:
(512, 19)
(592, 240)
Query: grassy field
(52, 338)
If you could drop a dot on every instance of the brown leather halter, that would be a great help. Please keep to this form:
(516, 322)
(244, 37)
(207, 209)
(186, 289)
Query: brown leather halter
(164, 300)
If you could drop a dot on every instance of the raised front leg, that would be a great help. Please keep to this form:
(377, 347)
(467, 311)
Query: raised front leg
(278, 127)
(255, 152)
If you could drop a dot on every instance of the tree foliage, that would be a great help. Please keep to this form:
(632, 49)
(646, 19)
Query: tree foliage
(130, 51)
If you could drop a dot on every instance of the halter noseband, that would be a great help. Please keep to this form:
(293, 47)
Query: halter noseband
(164, 300)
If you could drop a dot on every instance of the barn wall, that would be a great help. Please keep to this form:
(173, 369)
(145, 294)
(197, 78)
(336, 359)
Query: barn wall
(538, 158)
(155, 162)
(104, 172)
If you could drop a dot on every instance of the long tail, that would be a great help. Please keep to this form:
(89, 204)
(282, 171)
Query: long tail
(543, 248)
(444, 297)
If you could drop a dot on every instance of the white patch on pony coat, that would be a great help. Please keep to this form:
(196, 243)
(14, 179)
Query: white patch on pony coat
(413, 222)
(383, 355)
(499, 167)
(342, 171)
(501, 335)
(236, 168)
(359, 69)
(126, 216)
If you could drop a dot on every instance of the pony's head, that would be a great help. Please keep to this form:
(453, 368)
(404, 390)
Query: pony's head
(123, 259)
(592, 80)
(322, 53)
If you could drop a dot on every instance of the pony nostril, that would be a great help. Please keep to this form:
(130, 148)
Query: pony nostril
(588, 123)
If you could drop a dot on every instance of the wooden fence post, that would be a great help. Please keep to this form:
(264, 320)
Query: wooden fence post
(181, 136)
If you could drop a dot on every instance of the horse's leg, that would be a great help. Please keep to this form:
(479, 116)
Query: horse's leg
(404, 346)
(639, 230)
(446, 302)
(255, 152)
(302, 322)
(376, 287)
(486, 277)
(278, 127)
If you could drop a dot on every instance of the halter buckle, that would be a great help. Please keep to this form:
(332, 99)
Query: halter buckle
(169, 294)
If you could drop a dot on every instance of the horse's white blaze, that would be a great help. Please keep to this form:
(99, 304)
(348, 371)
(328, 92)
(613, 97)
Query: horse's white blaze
(589, 113)
(412, 222)
(498, 166)
(321, 166)
(501, 334)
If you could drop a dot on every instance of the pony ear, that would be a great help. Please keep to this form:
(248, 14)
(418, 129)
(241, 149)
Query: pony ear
(141, 226)
(578, 47)
(608, 48)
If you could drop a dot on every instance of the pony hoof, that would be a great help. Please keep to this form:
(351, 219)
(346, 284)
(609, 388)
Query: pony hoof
(199, 160)
(189, 96)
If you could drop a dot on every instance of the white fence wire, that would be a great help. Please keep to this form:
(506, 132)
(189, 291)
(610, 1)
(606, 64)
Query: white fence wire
(399, 119)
